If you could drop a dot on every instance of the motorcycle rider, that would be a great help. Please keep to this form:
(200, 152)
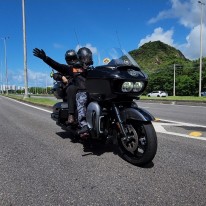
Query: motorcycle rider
(85, 56)
(65, 74)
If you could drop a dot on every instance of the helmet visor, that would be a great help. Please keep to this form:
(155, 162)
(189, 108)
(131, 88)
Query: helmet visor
(71, 58)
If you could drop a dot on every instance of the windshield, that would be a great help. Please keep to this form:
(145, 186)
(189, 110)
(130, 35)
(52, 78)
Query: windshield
(114, 57)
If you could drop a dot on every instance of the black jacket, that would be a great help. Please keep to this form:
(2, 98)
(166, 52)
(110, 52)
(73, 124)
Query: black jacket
(79, 77)
(57, 76)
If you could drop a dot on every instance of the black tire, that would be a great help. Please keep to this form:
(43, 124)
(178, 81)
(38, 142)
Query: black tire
(143, 146)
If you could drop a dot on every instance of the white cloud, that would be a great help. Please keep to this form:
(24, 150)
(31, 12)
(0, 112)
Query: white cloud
(160, 16)
(88, 45)
(159, 34)
(57, 46)
(191, 49)
(187, 12)
(188, 15)
(38, 79)
(17, 78)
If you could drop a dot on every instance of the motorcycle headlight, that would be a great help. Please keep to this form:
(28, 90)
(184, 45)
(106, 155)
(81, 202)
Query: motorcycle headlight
(127, 86)
(138, 86)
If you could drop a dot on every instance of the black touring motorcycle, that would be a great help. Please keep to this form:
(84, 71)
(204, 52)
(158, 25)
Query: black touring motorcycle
(112, 110)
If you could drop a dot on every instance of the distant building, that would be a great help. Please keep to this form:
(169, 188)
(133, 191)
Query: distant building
(11, 87)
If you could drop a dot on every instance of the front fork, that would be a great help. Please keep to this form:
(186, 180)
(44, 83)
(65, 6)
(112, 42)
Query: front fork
(125, 137)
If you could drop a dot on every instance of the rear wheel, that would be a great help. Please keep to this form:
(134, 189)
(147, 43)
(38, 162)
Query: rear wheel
(141, 145)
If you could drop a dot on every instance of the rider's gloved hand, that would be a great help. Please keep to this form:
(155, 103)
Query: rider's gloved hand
(39, 53)
(78, 64)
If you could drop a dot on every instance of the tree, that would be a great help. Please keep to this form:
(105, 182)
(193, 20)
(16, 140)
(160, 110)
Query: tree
(185, 86)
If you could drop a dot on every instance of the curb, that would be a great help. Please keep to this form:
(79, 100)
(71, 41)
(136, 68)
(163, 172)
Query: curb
(179, 102)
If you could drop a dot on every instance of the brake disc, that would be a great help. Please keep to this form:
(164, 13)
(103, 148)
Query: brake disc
(131, 143)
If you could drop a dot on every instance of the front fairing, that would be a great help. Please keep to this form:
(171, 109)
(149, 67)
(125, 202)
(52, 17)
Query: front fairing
(111, 70)
(117, 72)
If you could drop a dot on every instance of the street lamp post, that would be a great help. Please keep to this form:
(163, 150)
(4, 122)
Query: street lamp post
(25, 51)
(5, 60)
(200, 76)
(1, 79)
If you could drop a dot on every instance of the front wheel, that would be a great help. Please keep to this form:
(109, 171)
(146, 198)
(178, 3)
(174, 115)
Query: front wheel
(140, 146)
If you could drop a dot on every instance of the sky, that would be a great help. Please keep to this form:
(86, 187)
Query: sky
(58, 25)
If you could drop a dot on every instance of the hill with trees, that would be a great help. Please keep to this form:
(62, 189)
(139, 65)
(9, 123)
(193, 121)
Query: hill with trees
(159, 61)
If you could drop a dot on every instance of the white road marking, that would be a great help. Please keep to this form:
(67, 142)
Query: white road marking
(182, 123)
(157, 125)
(178, 105)
(29, 105)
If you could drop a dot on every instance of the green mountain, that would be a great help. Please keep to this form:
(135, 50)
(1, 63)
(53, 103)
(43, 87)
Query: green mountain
(159, 60)
(156, 55)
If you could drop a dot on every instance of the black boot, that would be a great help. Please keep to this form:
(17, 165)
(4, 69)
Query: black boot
(84, 132)
(70, 119)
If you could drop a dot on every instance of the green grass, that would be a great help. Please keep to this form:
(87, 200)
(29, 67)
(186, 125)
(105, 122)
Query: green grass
(47, 102)
(40, 101)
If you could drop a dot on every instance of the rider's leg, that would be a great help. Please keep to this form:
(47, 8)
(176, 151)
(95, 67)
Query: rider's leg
(71, 100)
(81, 99)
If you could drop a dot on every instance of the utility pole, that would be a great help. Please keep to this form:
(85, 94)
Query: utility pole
(5, 60)
(36, 85)
(1, 79)
(46, 84)
(25, 51)
(174, 82)
(175, 66)
(200, 75)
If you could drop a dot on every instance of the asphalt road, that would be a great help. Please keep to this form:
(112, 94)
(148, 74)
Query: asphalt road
(40, 165)
(183, 113)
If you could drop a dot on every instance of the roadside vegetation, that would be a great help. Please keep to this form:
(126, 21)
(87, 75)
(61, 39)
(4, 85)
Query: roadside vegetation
(164, 65)
(35, 100)
(160, 60)
(45, 101)
(175, 98)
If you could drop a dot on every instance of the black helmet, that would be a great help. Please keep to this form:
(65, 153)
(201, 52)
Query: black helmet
(70, 56)
(85, 55)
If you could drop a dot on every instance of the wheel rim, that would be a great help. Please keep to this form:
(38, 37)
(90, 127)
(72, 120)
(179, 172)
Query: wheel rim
(137, 140)
(131, 145)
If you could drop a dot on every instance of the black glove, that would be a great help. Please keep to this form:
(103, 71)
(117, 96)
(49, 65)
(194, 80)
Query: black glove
(39, 53)
(78, 64)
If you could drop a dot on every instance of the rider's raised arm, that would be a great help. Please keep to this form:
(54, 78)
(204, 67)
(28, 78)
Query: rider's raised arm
(62, 68)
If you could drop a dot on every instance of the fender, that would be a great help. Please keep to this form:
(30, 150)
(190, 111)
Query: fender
(136, 114)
